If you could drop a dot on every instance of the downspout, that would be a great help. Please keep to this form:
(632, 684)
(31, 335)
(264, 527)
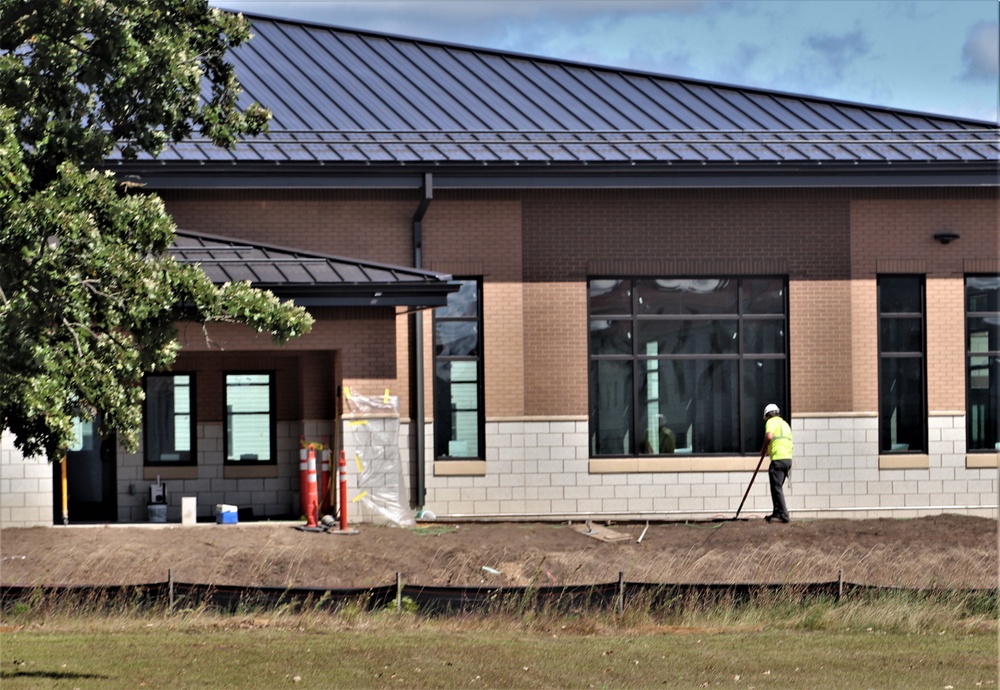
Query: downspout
(418, 346)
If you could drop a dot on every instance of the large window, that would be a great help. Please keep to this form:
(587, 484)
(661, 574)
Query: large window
(250, 433)
(169, 420)
(685, 365)
(902, 367)
(982, 350)
(458, 375)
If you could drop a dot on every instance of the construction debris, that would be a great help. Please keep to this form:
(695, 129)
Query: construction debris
(600, 533)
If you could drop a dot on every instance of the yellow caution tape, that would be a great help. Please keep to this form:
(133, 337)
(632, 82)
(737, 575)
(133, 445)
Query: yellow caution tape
(357, 459)
(359, 422)
(359, 497)
(385, 397)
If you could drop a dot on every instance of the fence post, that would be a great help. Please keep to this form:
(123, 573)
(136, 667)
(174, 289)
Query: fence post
(170, 587)
(840, 584)
(621, 592)
(399, 591)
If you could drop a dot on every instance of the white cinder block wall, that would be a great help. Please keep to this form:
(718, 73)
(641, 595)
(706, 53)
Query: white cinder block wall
(25, 487)
(539, 469)
(271, 496)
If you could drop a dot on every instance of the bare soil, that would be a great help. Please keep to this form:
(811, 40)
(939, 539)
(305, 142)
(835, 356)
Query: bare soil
(939, 551)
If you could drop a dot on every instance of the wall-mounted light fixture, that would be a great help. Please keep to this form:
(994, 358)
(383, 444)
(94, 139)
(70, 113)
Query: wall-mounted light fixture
(945, 237)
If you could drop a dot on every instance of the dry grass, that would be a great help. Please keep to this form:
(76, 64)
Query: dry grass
(774, 640)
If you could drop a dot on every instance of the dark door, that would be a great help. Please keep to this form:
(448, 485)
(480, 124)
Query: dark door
(90, 478)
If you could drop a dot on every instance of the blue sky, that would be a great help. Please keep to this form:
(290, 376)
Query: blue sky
(936, 56)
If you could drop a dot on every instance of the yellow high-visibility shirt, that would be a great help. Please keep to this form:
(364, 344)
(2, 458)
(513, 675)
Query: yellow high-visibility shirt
(781, 444)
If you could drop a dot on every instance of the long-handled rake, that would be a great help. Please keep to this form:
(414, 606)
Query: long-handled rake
(759, 463)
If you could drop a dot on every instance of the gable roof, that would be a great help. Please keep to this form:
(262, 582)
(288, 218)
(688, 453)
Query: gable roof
(345, 101)
(311, 279)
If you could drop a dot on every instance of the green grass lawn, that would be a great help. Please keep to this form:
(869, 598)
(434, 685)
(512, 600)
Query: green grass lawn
(774, 640)
(159, 655)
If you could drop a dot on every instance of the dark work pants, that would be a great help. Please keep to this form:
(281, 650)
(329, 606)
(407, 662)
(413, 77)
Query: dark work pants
(777, 473)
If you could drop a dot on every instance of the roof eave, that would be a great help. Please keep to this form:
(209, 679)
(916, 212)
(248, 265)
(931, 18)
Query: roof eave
(509, 175)
(422, 295)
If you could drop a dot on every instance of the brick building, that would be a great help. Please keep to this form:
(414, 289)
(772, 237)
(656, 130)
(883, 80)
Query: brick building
(558, 259)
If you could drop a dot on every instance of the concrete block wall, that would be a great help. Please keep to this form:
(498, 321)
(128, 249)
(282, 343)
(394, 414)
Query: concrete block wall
(276, 496)
(25, 487)
(539, 469)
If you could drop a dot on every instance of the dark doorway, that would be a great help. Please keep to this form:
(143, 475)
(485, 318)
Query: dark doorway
(90, 478)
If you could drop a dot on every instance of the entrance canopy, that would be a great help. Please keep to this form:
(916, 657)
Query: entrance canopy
(311, 279)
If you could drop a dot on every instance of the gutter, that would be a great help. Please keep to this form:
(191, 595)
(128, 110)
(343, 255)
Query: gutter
(418, 346)
(516, 175)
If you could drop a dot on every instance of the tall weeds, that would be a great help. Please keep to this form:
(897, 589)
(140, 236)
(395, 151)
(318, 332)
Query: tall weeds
(578, 612)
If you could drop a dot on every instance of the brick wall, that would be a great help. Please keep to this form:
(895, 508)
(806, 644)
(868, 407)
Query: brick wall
(372, 225)
(564, 230)
(821, 346)
(895, 234)
(556, 365)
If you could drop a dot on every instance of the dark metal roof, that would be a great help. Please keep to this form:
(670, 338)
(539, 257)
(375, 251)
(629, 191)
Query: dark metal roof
(344, 99)
(312, 280)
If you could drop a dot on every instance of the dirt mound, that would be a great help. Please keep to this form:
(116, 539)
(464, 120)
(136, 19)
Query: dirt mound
(943, 550)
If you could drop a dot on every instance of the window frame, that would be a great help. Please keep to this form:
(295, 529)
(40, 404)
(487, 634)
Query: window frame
(480, 451)
(742, 357)
(272, 419)
(969, 355)
(192, 460)
(901, 355)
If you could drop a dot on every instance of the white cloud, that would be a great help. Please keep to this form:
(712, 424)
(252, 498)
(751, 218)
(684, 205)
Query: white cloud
(839, 52)
(981, 52)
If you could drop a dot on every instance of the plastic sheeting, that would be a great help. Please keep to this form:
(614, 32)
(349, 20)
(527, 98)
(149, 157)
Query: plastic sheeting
(381, 479)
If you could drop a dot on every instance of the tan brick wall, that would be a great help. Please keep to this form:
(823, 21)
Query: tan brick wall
(945, 345)
(555, 352)
(864, 342)
(831, 242)
(896, 235)
(820, 346)
(479, 235)
(505, 349)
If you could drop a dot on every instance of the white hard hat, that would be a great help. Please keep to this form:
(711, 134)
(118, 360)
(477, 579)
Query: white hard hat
(771, 409)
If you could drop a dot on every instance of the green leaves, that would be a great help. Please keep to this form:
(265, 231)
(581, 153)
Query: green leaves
(88, 290)
(88, 74)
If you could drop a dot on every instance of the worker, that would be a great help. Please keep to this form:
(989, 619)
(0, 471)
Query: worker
(668, 442)
(778, 445)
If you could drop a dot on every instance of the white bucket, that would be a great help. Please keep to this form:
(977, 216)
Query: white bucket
(157, 512)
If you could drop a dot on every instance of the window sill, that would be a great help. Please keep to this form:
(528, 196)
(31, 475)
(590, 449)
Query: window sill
(459, 468)
(250, 472)
(151, 472)
(975, 461)
(674, 464)
(904, 462)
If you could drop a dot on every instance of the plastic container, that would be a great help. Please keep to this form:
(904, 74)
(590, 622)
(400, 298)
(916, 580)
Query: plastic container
(157, 512)
(226, 514)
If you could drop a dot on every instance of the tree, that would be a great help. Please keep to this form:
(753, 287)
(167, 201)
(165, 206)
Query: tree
(89, 292)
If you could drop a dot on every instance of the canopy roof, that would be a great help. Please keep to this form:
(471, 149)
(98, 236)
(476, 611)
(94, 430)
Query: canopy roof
(310, 279)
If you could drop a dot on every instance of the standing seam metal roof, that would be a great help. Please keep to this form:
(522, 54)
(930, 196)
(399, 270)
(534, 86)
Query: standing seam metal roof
(312, 279)
(342, 96)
